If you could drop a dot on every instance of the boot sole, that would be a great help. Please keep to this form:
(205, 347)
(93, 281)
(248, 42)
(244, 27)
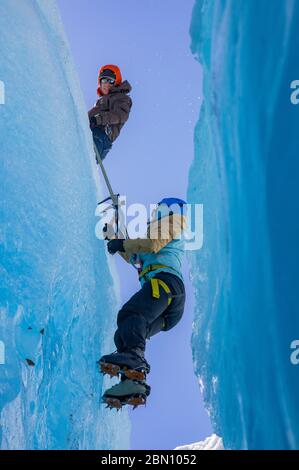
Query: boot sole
(114, 370)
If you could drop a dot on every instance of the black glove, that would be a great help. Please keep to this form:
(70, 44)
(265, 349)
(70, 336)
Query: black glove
(115, 245)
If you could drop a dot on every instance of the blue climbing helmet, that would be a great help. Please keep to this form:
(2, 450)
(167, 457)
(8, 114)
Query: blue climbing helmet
(171, 205)
(169, 201)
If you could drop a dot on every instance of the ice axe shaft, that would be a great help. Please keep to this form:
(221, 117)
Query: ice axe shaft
(114, 197)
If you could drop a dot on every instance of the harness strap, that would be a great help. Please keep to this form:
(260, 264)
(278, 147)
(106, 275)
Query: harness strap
(155, 283)
(154, 267)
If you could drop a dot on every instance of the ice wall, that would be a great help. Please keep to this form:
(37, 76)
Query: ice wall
(57, 297)
(246, 173)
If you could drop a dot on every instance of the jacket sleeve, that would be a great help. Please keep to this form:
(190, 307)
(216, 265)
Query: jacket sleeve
(125, 256)
(160, 237)
(118, 114)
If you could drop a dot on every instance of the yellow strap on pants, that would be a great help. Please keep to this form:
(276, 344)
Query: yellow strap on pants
(156, 290)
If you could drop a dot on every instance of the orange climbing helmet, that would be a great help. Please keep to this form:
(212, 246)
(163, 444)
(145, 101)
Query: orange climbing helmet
(111, 71)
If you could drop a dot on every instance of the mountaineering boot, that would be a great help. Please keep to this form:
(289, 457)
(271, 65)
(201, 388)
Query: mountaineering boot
(129, 363)
(127, 392)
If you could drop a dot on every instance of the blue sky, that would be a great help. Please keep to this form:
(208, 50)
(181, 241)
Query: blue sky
(150, 160)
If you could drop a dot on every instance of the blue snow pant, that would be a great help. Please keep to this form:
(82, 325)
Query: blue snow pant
(102, 141)
(144, 316)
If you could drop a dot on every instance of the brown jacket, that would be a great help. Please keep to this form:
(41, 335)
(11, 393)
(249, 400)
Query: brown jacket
(112, 111)
(158, 235)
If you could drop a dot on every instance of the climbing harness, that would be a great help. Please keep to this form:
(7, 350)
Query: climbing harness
(154, 267)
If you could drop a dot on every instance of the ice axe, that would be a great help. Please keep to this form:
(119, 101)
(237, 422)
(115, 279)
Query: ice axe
(114, 198)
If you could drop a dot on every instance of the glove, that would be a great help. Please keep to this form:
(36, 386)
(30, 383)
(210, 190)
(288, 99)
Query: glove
(115, 245)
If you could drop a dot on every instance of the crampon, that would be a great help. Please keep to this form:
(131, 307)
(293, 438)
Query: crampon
(127, 392)
(117, 403)
(114, 370)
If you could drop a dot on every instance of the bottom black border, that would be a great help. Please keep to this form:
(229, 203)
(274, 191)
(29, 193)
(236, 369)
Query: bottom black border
(137, 458)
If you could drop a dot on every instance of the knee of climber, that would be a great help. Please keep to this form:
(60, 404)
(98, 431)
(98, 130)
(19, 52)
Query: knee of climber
(170, 321)
(155, 327)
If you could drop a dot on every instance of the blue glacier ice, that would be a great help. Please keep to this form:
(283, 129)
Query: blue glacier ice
(246, 173)
(57, 295)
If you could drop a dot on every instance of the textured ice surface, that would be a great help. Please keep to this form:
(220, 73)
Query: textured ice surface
(246, 173)
(57, 296)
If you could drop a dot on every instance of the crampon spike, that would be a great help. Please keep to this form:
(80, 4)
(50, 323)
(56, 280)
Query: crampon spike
(113, 403)
(136, 401)
(110, 369)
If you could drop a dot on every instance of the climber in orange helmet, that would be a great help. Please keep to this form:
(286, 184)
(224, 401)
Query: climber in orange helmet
(111, 110)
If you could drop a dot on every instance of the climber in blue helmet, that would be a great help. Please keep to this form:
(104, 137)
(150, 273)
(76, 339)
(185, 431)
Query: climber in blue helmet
(157, 306)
